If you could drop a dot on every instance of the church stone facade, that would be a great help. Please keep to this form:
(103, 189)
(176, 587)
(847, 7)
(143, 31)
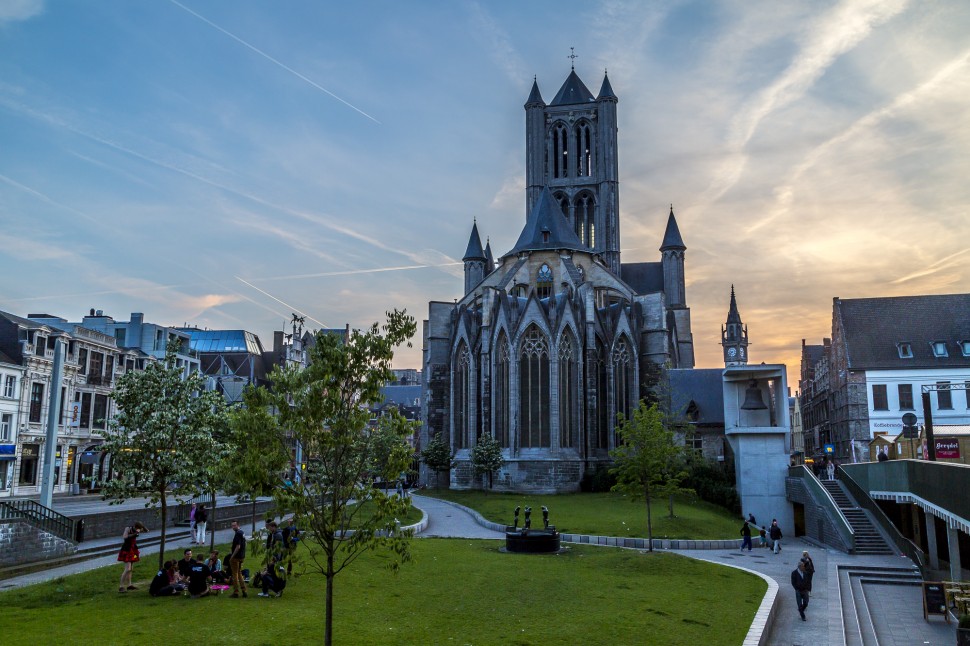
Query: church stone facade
(554, 338)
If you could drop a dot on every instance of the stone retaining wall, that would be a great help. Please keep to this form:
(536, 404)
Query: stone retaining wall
(21, 542)
(113, 523)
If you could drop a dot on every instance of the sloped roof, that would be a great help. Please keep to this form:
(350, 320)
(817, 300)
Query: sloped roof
(672, 239)
(703, 387)
(535, 98)
(733, 315)
(812, 354)
(547, 228)
(874, 326)
(474, 250)
(643, 277)
(573, 91)
(606, 90)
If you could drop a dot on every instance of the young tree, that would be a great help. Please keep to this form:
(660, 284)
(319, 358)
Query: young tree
(325, 407)
(162, 434)
(487, 457)
(437, 456)
(388, 439)
(647, 461)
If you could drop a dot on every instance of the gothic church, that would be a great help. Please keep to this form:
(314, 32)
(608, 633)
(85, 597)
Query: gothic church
(556, 336)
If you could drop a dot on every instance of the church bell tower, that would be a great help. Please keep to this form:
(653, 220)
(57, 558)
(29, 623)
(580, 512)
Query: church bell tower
(734, 336)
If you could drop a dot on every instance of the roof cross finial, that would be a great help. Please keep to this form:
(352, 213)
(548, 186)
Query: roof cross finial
(572, 58)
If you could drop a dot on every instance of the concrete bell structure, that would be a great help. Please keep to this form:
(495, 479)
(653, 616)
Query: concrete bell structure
(759, 438)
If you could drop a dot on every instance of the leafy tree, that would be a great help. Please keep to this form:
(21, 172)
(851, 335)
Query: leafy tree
(325, 407)
(647, 462)
(487, 457)
(388, 439)
(162, 434)
(437, 456)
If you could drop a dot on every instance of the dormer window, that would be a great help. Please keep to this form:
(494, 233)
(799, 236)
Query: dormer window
(939, 348)
(905, 350)
(965, 348)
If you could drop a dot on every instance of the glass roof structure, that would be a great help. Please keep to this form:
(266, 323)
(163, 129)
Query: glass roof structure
(225, 341)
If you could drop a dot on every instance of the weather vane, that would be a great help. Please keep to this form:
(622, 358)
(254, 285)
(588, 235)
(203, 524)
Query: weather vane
(572, 57)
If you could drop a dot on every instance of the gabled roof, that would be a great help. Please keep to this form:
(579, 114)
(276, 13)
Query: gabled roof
(573, 91)
(672, 239)
(606, 90)
(873, 328)
(643, 277)
(703, 387)
(474, 250)
(534, 97)
(547, 228)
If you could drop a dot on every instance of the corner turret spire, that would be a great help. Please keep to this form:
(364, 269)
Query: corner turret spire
(606, 90)
(672, 239)
(474, 250)
(535, 97)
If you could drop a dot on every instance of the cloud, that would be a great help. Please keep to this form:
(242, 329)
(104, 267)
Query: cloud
(498, 43)
(16, 10)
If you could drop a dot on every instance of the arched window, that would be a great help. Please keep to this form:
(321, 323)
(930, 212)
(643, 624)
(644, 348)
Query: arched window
(584, 210)
(560, 150)
(534, 390)
(563, 202)
(622, 360)
(584, 150)
(568, 409)
(502, 393)
(603, 416)
(544, 282)
(462, 396)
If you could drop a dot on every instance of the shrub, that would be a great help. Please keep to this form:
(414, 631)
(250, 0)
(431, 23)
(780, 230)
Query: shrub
(714, 483)
(597, 479)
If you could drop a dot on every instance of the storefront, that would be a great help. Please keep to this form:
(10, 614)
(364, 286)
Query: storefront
(8, 458)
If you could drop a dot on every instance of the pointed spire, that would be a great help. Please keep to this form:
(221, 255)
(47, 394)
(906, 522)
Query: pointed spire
(733, 315)
(606, 90)
(489, 258)
(672, 239)
(535, 98)
(474, 250)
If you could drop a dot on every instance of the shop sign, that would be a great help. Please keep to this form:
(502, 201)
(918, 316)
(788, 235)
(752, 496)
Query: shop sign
(947, 448)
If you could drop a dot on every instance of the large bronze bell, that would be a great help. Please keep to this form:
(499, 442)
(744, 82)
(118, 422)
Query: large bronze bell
(752, 397)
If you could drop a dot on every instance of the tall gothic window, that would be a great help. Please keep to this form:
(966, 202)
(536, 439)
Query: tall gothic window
(462, 396)
(567, 392)
(544, 282)
(584, 150)
(603, 416)
(534, 390)
(584, 209)
(622, 360)
(560, 151)
(502, 392)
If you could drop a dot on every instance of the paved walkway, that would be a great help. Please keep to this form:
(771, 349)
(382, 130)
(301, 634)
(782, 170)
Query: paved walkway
(896, 611)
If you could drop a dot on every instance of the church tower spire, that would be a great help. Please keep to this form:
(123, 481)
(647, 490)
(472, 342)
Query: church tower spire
(672, 251)
(474, 260)
(734, 336)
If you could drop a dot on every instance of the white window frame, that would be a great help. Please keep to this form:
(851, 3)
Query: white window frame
(939, 349)
(9, 386)
(6, 426)
(905, 349)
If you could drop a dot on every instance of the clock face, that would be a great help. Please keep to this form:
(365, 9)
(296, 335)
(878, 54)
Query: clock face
(732, 352)
(741, 350)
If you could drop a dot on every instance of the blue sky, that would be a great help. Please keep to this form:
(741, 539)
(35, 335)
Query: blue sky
(224, 164)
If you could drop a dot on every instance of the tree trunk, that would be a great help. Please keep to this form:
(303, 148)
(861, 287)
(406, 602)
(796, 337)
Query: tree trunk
(254, 516)
(328, 625)
(161, 544)
(646, 496)
(212, 514)
(671, 503)
(489, 479)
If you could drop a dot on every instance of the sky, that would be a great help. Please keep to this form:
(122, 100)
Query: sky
(225, 164)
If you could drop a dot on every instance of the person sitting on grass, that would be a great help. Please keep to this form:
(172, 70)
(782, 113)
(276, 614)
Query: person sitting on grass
(162, 585)
(215, 568)
(185, 565)
(198, 579)
(272, 580)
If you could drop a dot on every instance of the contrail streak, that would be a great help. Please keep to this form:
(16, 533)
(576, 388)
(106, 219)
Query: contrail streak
(351, 272)
(322, 324)
(273, 60)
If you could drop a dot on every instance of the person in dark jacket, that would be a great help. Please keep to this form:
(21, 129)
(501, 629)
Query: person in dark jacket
(745, 536)
(161, 585)
(774, 533)
(236, 558)
(198, 579)
(798, 581)
(809, 564)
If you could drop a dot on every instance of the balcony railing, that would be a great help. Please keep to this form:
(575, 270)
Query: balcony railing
(40, 516)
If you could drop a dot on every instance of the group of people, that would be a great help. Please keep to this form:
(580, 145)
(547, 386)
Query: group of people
(195, 576)
(770, 537)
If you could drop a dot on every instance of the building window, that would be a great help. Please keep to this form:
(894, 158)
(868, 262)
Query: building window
(603, 416)
(560, 151)
(939, 348)
(567, 392)
(544, 282)
(880, 400)
(9, 386)
(85, 410)
(6, 473)
(622, 361)
(29, 455)
(6, 427)
(694, 442)
(584, 150)
(534, 390)
(944, 398)
(82, 361)
(584, 210)
(462, 392)
(905, 350)
(965, 348)
(905, 396)
(36, 402)
(100, 411)
(40, 345)
(502, 392)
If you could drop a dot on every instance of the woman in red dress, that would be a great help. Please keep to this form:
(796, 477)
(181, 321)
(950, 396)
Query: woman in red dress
(129, 554)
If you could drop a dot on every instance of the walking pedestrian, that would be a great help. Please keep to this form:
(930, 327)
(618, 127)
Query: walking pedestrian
(775, 534)
(236, 558)
(201, 518)
(745, 536)
(809, 564)
(763, 534)
(830, 470)
(129, 554)
(798, 581)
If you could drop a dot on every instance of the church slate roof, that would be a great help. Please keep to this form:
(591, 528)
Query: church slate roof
(573, 91)
(474, 250)
(672, 239)
(733, 315)
(535, 98)
(547, 228)
(643, 277)
(874, 326)
(703, 387)
(606, 90)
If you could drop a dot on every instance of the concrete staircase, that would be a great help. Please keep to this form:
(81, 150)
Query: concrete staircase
(855, 583)
(868, 540)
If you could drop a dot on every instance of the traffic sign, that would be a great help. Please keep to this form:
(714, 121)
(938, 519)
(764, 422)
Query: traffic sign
(829, 449)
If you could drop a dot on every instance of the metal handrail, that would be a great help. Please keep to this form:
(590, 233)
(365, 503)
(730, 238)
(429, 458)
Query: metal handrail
(844, 528)
(40, 516)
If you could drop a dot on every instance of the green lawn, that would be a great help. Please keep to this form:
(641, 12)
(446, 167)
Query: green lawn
(456, 591)
(604, 514)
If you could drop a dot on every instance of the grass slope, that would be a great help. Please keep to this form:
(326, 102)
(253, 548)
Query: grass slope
(605, 514)
(455, 592)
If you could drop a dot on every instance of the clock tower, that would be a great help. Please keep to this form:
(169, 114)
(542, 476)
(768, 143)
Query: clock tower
(734, 336)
